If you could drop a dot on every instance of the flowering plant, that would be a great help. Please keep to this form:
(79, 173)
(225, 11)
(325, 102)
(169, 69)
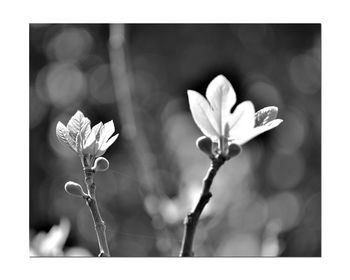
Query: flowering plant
(90, 144)
(224, 132)
(86, 141)
(214, 118)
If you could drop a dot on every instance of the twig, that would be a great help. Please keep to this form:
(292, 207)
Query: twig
(100, 226)
(132, 131)
(191, 220)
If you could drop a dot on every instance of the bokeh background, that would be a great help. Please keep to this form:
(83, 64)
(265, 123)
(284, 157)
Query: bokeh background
(266, 201)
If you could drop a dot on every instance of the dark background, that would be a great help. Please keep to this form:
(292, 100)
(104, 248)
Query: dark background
(266, 201)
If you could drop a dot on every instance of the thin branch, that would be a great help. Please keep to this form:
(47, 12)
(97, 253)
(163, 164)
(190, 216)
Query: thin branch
(146, 162)
(192, 219)
(132, 130)
(100, 226)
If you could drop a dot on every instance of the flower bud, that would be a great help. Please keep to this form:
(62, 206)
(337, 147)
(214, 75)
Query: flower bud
(233, 150)
(205, 145)
(101, 164)
(73, 188)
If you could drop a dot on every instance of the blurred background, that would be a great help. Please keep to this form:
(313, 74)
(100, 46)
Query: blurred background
(266, 201)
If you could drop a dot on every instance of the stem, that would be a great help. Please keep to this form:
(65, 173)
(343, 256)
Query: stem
(134, 132)
(100, 226)
(134, 127)
(191, 220)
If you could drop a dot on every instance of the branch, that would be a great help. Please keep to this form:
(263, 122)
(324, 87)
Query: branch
(191, 220)
(146, 162)
(132, 130)
(100, 226)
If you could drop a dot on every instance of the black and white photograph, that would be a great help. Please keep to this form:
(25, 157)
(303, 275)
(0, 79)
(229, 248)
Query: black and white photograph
(175, 140)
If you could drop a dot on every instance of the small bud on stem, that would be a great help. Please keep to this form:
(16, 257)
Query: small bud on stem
(233, 150)
(205, 145)
(75, 189)
(101, 164)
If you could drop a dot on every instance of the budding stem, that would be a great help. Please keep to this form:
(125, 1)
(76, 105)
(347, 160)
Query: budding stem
(100, 226)
(191, 220)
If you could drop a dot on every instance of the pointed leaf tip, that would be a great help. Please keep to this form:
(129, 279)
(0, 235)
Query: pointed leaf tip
(222, 98)
(265, 115)
(106, 145)
(78, 124)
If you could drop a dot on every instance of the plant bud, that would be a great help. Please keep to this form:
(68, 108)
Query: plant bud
(73, 188)
(205, 145)
(234, 150)
(101, 164)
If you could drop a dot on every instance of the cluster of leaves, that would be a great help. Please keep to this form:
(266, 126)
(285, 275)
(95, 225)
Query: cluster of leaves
(84, 140)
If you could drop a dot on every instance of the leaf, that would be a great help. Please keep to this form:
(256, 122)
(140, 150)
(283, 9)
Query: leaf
(265, 115)
(63, 136)
(203, 115)
(86, 129)
(96, 130)
(257, 131)
(79, 143)
(222, 98)
(106, 145)
(242, 119)
(106, 132)
(78, 124)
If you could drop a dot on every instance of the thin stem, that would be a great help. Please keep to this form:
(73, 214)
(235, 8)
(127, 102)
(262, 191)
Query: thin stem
(134, 128)
(100, 226)
(192, 218)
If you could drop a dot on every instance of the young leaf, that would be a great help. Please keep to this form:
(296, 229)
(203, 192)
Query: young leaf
(222, 98)
(265, 115)
(202, 114)
(258, 130)
(79, 143)
(78, 123)
(63, 136)
(107, 131)
(242, 119)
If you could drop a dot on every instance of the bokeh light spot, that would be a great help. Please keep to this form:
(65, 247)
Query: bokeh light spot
(70, 44)
(254, 217)
(285, 208)
(65, 84)
(264, 94)
(100, 84)
(239, 245)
